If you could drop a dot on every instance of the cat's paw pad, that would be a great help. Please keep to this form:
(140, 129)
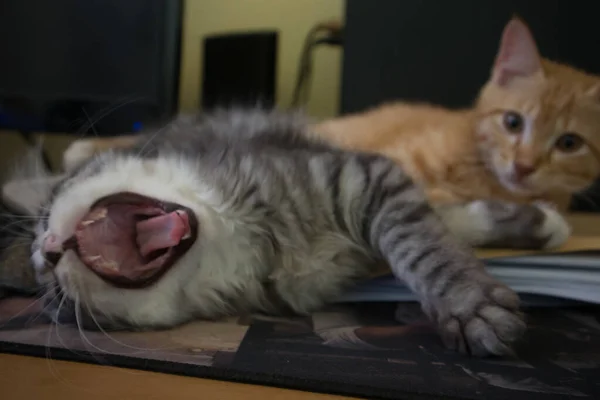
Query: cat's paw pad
(554, 226)
(482, 322)
(77, 153)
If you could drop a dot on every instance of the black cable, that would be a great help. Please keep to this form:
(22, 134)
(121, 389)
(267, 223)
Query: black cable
(303, 79)
(330, 40)
(302, 65)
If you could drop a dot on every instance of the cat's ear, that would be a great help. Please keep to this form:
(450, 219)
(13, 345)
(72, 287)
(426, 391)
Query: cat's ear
(518, 55)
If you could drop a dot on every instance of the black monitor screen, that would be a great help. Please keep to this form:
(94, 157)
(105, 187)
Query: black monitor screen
(61, 55)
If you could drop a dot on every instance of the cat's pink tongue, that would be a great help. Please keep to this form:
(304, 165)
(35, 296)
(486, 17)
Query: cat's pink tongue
(162, 232)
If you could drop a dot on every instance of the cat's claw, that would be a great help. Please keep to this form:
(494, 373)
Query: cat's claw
(481, 320)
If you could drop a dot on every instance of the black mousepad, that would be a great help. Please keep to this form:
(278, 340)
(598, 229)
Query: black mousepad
(373, 350)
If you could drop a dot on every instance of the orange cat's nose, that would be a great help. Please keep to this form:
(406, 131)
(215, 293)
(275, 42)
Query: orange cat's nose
(522, 170)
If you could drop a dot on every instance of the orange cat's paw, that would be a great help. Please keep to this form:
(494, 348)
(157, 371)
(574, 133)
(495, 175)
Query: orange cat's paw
(546, 204)
(491, 223)
(554, 226)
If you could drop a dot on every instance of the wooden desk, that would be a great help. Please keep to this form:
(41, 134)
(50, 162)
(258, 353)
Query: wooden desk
(36, 378)
(28, 378)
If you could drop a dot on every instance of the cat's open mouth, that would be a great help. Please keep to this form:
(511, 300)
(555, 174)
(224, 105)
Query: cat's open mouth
(130, 240)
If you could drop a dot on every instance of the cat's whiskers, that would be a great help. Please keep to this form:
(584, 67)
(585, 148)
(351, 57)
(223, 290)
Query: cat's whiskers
(49, 346)
(22, 217)
(84, 339)
(113, 339)
(52, 289)
(23, 311)
(149, 140)
(92, 121)
(12, 224)
(82, 302)
(138, 350)
(57, 324)
(82, 335)
(587, 198)
(91, 124)
(19, 238)
(18, 241)
(48, 356)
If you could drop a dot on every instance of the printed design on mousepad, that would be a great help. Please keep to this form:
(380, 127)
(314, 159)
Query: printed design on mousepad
(368, 349)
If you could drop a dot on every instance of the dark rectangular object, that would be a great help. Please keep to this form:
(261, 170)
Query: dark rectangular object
(358, 350)
(239, 69)
(442, 51)
(68, 62)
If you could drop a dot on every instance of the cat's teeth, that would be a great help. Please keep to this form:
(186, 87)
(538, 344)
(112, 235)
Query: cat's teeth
(96, 215)
(187, 234)
(113, 265)
(99, 213)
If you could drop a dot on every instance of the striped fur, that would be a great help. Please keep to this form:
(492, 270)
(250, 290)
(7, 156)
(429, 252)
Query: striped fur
(286, 224)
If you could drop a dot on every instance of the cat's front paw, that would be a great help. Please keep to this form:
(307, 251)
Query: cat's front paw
(553, 225)
(77, 153)
(479, 319)
(492, 223)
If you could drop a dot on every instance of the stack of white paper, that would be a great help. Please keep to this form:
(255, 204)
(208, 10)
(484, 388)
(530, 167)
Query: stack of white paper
(541, 279)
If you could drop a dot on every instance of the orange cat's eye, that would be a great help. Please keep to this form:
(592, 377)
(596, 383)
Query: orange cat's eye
(513, 122)
(569, 142)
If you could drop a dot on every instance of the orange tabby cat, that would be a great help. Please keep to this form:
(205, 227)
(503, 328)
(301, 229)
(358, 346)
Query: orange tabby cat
(533, 133)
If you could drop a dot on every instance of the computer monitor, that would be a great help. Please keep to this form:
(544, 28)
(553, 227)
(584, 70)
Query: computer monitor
(108, 67)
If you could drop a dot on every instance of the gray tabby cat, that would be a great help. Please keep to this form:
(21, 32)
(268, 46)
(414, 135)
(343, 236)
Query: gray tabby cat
(239, 211)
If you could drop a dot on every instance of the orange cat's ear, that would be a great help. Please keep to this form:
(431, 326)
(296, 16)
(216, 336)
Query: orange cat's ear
(518, 55)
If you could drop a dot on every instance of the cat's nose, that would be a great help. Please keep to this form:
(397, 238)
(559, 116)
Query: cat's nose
(52, 244)
(522, 170)
(52, 249)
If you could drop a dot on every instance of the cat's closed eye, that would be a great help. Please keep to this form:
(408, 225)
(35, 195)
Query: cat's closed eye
(569, 142)
(513, 122)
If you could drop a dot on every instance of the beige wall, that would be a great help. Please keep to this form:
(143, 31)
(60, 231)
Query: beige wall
(292, 18)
